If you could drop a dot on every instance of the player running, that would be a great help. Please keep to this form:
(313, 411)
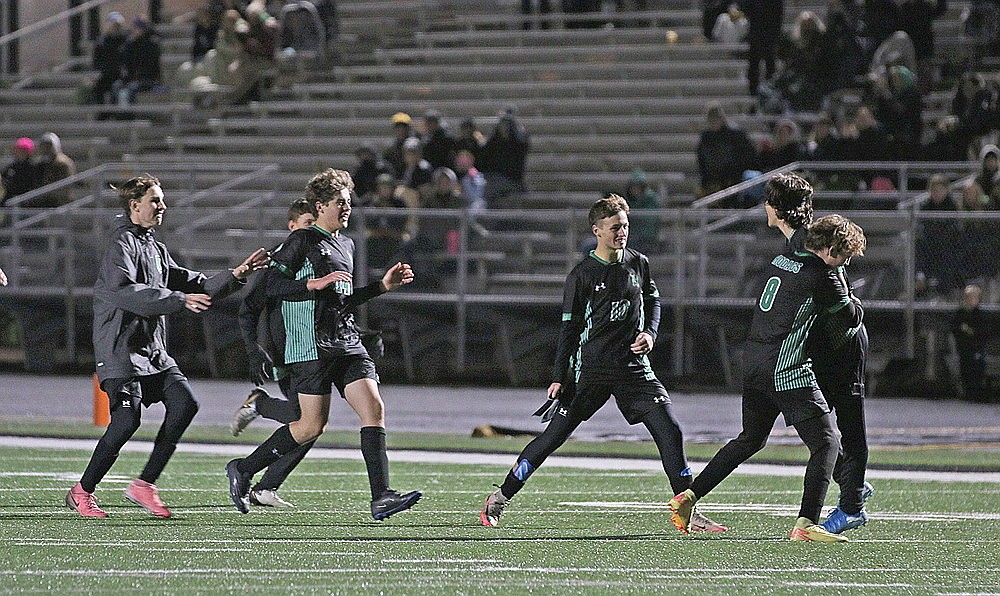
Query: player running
(778, 376)
(312, 324)
(611, 312)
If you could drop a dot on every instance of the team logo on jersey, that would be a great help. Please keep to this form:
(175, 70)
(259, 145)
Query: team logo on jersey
(660, 399)
(619, 308)
(343, 287)
(633, 278)
(563, 412)
(325, 251)
(600, 287)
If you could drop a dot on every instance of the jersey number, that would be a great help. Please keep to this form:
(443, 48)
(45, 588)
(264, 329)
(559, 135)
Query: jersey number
(619, 308)
(769, 293)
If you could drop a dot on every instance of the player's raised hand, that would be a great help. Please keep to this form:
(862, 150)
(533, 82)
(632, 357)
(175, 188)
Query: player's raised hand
(197, 302)
(643, 343)
(321, 283)
(397, 276)
(255, 262)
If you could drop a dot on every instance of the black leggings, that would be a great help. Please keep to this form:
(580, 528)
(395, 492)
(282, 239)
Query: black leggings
(180, 410)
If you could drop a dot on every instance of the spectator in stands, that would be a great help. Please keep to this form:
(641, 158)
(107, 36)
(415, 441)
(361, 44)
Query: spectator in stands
(645, 232)
(472, 180)
(401, 131)
(973, 104)
(53, 165)
(898, 107)
(21, 174)
(765, 18)
(259, 45)
(206, 29)
(881, 20)
(417, 173)
(544, 7)
(731, 26)
(370, 167)
(938, 263)
(897, 50)
(107, 58)
(843, 20)
(724, 152)
(808, 63)
(873, 139)
(469, 138)
(439, 144)
(386, 234)
(784, 146)
(821, 145)
(948, 143)
(140, 63)
(971, 329)
(710, 12)
(988, 177)
(916, 18)
(503, 159)
(979, 237)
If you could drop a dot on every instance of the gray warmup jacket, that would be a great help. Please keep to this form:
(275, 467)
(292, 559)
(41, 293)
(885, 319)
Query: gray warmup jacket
(137, 286)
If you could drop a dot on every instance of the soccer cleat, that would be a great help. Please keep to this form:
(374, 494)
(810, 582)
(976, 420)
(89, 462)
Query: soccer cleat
(494, 507)
(83, 502)
(682, 505)
(146, 496)
(702, 523)
(269, 498)
(838, 521)
(806, 530)
(392, 502)
(247, 412)
(239, 486)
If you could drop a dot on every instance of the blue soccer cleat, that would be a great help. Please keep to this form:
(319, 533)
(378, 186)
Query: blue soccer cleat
(838, 521)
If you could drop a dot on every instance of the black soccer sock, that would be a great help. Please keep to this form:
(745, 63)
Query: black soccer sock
(270, 451)
(278, 471)
(376, 460)
(124, 422)
(181, 407)
(536, 452)
(670, 443)
(511, 484)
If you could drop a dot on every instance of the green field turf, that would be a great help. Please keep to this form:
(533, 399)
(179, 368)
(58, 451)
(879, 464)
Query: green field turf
(570, 531)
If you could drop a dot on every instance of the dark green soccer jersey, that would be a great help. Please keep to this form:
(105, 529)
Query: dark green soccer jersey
(798, 288)
(605, 306)
(321, 321)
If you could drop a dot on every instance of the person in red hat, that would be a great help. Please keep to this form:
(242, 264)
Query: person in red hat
(20, 175)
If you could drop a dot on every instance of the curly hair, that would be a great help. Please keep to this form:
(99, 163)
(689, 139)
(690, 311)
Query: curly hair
(606, 207)
(842, 236)
(326, 185)
(791, 197)
(134, 189)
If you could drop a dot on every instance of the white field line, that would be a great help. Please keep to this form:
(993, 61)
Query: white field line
(555, 461)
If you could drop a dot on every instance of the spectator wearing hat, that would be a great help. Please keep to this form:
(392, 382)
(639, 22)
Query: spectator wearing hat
(988, 176)
(140, 63)
(439, 144)
(503, 159)
(53, 165)
(20, 175)
(645, 229)
(401, 131)
(107, 58)
(469, 138)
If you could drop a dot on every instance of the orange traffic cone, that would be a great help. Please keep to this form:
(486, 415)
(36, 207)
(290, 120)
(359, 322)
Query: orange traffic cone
(102, 411)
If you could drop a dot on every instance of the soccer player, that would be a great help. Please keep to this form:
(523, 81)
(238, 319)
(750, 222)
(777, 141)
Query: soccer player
(260, 402)
(137, 285)
(611, 312)
(839, 355)
(313, 327)
(778, 377)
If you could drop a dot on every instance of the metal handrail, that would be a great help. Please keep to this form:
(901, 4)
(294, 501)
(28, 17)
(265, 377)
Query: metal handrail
(52, 21)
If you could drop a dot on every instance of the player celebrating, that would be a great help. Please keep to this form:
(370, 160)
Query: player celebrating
(839, 354)
(778, 376)
(313, 325)
(260, 402)
(137, 285)
(611, 312)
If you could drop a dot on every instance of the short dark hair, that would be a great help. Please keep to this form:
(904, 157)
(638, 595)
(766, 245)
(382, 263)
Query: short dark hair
(791, 197)
(606, 207)
(134, 189)
(298, 208)
(324, 187)
(842, 236)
